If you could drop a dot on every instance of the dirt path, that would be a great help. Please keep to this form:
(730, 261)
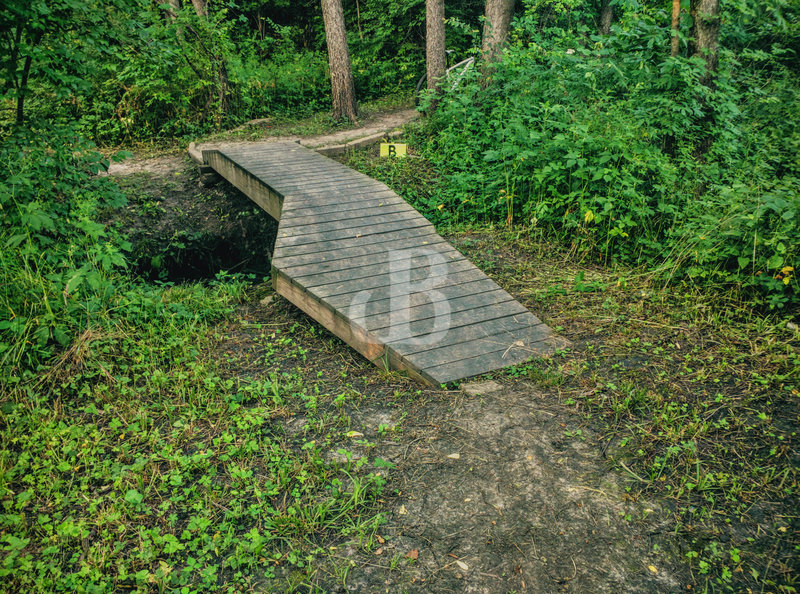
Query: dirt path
(496, 498)
(371, 131)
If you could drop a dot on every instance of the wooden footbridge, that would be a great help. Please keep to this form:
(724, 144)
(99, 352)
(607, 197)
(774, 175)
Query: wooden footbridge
(372, 270)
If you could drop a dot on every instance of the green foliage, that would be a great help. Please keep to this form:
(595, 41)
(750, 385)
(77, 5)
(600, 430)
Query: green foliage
(137, 463)
(290, 81)
(596, 140)
(58, 264)
(51, 47)
(386, 41)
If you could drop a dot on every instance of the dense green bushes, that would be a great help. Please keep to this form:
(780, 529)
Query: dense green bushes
(57, 263)
(597, 139)
(61, 272)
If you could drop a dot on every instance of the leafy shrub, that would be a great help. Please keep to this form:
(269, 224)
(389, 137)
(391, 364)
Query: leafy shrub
(289, 81)
(596, 139)
(57, 265)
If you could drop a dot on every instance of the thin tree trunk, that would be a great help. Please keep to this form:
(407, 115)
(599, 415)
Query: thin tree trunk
(704, 42)
(342, 90)
(705, 36)
(434, 44)
(495, 27)
(174, 9)
(676, 23)
(200, 8)
(22, 90)
(606, 16)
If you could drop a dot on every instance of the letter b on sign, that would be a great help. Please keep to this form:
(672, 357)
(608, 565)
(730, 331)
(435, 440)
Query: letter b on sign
(393, 149)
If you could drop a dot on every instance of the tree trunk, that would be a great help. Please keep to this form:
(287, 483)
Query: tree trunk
(676, 23)
(342, 92)
(174, 9)
(22, 89)
(434, 44)
(606, 16)
(200, 7)
(705, 36)
(704, 40)
(495, 27)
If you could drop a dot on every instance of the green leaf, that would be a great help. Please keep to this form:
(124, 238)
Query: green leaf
(775, 261)
(743, 262)
(134, 497)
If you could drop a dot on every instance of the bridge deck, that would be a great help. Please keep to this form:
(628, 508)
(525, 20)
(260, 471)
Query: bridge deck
(355, 257)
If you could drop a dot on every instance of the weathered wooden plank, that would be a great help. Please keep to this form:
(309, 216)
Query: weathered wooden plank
(433, 274)
(291, 159)
(509, 329)
(347, 203)
(483, 363)
(330, 201)
(294, 167)
(352, 275)
(354, 223)
(286, 157)
(259, 161)
(339, 252)
(312, 218)
(351, 259)
(462, 311)
(525, 341)
(350, 333)
(259, 193)
(366, 283)
(307, 189)
(304, 178)
(420, 235)
(269, 150)
(324, 237)
(468, 283)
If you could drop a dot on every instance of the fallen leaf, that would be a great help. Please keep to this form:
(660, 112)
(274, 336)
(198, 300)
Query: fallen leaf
(402, 511)
(652, 568)
(455, 456)
(413, 554)
(379, 551)
(380, 538)
(354, 434)
(462, 565)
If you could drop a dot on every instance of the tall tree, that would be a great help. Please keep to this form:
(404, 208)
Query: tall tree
(676, 23)
(705, 36)
(434, 43)
(606, 16)
(495, 27)
(343, 93)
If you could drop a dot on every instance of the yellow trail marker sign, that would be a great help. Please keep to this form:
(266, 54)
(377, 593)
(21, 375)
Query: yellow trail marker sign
(393, 149)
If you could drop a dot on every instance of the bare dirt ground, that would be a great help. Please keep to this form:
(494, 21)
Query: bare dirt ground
(495, 487)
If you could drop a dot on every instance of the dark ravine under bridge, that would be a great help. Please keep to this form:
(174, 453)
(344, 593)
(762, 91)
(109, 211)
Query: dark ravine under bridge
(357, 258)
